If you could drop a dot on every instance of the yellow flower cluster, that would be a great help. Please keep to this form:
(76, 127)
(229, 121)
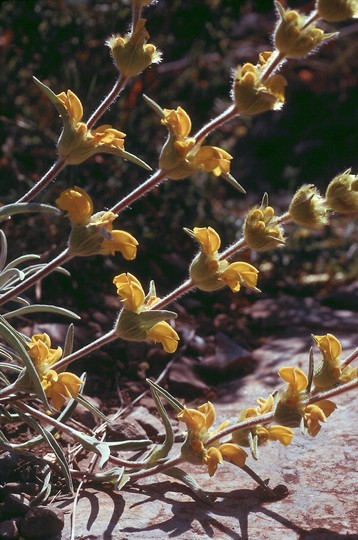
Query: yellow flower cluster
(194, 450)
(330, 371)
(77, 143)
(93, 233)
(259, 435)
(261, 231)
(132, 54)
(291, 409)
(57, 386)
(252, 95)
(182, 155)
(138, 321)
(209, 273)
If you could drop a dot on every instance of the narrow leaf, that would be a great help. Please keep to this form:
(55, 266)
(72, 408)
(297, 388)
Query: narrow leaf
(41, 308)
(189, 481)
(169, 398)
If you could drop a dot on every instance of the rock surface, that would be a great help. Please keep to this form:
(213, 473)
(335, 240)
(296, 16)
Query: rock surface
(321, 476)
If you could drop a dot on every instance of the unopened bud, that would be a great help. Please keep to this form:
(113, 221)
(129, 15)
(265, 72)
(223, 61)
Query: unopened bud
(261, 231)
(308, 208)
(337, 10)
(342, 193)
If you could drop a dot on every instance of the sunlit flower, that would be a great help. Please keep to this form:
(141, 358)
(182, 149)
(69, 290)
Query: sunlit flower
(78, 205)
(293, 36)
(163, 333)
(238, 274)
(77, 142)
(138, 321)
(261, 230)
(330, 371)
(342, 193)
(131, 53)
(308, 208)
(130, 291)
(252, 95)
(282, 434)
(93, 233)
(182, 155)
(316, 413)
(208, 239)
(199, 421)
(337, 10)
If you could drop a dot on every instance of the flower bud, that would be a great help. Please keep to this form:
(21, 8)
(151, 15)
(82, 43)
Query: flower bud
(308, 208)
(337, 10)
(293, 37)
(260, 229)
(251, 95)
(85, 241)
(342, 193)
(203, 272)
(132, 54)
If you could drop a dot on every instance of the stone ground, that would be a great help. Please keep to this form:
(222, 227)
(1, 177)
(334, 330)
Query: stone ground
(321, 474)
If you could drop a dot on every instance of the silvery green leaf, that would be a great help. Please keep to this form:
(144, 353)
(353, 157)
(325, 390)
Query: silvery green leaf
(229, 178)
(189, 481)
(14, 338)
(68, 345)
(113, 476)
(41, 308)
(168, 397)
(122, 446)
(154, 106)
(23, 208)
(83, 401)
(3, 249)
(163, 450)
(10, 275)
(19, 260)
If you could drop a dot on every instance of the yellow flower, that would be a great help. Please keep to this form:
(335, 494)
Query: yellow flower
(330, 371)
(120, 241)
(177, 121)
(72, 105)
(78, 205)
(57, 386)
(138, 321)
(251, 95)
(308, 207)
(92, 233)
(182, 155)
(130, 290)
(337, 10)
(293, 37)
(199, 420)
(163, 333)
(296, 378)
(283, 434)
(315, 413)
(239, 273)
(132, 54)
(211, 159)
(208, 239)
(41, 353)
(342, 193)
(261, 230)
(60, 386)
(209, 273)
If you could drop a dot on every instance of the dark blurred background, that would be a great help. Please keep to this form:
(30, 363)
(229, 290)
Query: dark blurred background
(314, 137)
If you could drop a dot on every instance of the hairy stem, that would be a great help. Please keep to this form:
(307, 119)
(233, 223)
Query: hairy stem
(157, 178)
(44, 181)
(62, 258)
(162, 467)
(97, 344)
(350, 358)
(217, 122)
(108, 101)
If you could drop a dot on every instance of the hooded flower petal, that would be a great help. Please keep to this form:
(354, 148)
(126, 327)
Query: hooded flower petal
(120, 241)
(60, 386)
(233, 453)
(130, 290)
(78, 205)
(72, 105)
(211, 159)
(41, 353)
(213, 458)
(316, 413)
(163, 333)
(295, 377)
(208, 239)
(330, 347)
(240, 273)
(177, 121)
